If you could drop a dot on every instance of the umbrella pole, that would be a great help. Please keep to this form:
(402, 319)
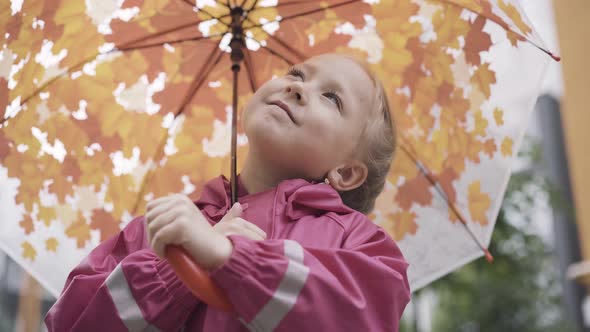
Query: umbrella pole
(234, 137)
(237, 56)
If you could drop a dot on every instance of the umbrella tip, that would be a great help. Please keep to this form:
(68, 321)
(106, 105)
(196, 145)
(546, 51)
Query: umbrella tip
(555, 57)
(551, 54)
(489, 256)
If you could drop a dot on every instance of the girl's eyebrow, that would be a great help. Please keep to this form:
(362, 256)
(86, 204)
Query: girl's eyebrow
(335, 85)
(330, 83)
(307, 67)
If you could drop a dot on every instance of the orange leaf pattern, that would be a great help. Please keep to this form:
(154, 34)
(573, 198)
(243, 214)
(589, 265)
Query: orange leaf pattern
(479, 203)
(91, 124)
(507, 146)
(27, 224)
(29, 251)
(79, 231)
(51, 244)
(498, 116)
(405, 224)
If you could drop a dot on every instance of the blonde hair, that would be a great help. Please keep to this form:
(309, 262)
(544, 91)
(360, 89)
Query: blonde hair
(376, 150)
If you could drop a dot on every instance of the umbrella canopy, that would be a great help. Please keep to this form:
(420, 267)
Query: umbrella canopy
(105, 105)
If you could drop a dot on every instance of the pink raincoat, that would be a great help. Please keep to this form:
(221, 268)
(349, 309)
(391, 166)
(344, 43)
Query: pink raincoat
(323, 267)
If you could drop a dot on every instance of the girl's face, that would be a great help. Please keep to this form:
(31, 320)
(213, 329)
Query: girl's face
(310, 120)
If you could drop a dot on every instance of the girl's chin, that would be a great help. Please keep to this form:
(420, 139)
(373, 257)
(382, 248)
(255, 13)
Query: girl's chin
(264, 132)
(266, 143)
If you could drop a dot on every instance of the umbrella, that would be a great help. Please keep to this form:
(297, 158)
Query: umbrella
(105, 105)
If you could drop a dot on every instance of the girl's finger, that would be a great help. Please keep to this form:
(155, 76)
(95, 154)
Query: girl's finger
(165, 236)
(239, 229)
(162, 220)
(248, 225)
(235, 227)
(257, 236)
(156, 202)
(234, 212)
(157, 210)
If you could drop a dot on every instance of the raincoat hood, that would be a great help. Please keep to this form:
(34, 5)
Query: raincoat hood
(299, 197)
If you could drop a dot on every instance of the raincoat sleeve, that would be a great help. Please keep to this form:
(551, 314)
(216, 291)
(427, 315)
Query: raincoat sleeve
(283, 286)
(122, 285)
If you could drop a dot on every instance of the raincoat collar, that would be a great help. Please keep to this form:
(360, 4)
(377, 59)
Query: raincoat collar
(299, 197)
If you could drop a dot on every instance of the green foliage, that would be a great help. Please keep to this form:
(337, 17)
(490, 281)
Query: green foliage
(520, 291)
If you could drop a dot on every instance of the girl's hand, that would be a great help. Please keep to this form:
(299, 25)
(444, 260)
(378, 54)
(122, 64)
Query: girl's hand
(174, 219)
(232, 224)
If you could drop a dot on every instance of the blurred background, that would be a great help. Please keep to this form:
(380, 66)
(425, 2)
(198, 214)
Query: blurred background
(540, 279)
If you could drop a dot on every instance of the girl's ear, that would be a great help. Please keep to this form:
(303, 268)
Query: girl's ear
(348, 176)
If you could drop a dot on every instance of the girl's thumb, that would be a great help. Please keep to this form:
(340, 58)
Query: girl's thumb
(234, 212)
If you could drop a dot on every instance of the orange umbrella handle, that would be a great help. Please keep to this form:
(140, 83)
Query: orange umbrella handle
(197, 280)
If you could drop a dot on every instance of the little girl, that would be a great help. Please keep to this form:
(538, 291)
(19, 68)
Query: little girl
(296, 253)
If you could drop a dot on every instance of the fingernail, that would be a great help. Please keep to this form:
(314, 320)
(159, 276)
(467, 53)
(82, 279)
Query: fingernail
(244, 206)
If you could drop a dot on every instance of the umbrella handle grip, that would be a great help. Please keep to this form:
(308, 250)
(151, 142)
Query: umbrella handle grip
(196, 279)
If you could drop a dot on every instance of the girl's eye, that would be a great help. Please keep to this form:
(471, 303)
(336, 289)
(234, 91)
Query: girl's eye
(296, 72)
(334, 98)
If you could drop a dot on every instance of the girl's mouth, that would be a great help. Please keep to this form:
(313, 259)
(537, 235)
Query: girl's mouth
(285, 107)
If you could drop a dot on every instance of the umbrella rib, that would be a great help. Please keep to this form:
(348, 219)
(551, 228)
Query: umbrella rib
(503, 25)
(429, 177)
(506, 27)
(251, 7)
(497, 21)
(83, 62)
(193, 89)
(211, 16)
(76, 15)
(313, 11)
(160, 33)
(170, 42)
(201, 78)
(214, 17)
(298, 54)
(283, 4)
(288, 47)
(273, 52)
(250, 70)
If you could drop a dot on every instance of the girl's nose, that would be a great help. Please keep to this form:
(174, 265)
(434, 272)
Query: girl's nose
(296, 90)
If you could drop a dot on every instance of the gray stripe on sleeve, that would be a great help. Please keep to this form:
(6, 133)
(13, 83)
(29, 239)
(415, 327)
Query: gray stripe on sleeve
(127, 308)
(285, 296)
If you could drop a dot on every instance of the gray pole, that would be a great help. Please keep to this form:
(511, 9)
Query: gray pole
(567, 248)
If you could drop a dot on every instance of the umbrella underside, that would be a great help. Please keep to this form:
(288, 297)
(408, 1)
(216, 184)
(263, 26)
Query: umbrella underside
(461, 77)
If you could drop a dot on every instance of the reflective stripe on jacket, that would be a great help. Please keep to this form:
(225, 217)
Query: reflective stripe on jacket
(323, 267)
